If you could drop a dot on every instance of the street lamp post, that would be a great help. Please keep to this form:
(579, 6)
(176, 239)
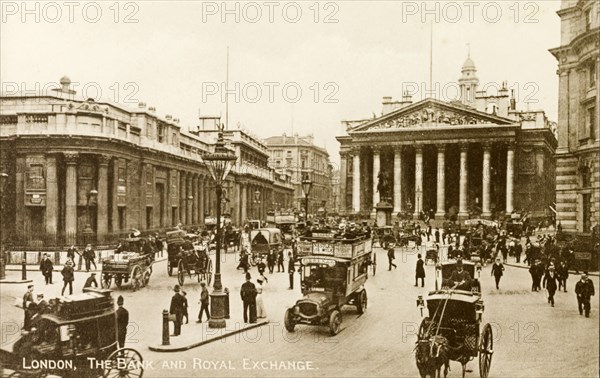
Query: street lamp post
(306, 187)
(218, 164)
(87, 231)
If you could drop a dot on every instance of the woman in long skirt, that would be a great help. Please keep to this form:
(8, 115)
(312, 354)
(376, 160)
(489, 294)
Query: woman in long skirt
(260, 306)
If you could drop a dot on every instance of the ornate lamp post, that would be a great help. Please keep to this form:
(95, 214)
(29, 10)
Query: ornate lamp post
(218, 164)
(87, 231)
(306, 187)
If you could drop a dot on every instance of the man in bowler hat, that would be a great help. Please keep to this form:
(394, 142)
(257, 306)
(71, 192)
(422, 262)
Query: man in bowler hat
(248, 294)
(178, 309)
(122, 322)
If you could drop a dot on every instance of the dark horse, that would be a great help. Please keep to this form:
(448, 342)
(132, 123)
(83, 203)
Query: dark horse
(431, 354)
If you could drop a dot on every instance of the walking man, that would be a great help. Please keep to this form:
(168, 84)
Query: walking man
(177, 308)
(536, 271)
(89, 255)
(68, 277)
(291, 270)
(391, 257)
(122, 322)
(518, 251)
(248, 294)
(203, 302)
(280, 266)
(550, 284)
(420, 271)
(497, 272)
(261, 268)
(584, 290)
(562, 272)
(91, 281)
(27, 301)
(46, 267)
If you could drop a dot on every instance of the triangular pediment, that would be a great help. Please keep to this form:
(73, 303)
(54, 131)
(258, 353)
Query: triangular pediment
(431, 113)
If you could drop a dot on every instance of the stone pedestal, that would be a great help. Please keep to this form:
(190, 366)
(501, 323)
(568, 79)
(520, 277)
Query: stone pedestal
(383, 214)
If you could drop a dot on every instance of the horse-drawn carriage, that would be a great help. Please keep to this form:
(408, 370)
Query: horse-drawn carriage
(264, 241)
(384, 236)
(189, 256)
(332, 274)
(451, 331)
(132, 261)
(64, 337)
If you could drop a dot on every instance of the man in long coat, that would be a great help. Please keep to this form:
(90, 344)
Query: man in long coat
(46, 267)
(122, 322)
(177, 308)
(248, 294)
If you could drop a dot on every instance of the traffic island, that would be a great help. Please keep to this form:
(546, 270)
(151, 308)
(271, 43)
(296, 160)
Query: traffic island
(195, 334)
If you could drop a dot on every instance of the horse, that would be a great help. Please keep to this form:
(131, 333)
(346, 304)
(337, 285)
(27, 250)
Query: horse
(431, 354)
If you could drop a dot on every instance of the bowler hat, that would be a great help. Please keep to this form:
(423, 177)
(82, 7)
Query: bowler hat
(176, 288)
(459, 263)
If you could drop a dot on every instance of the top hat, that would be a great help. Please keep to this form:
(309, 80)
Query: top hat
(120, 300)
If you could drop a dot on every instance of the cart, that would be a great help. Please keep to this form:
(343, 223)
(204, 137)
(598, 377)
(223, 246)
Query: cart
(71, 330)
(443, 272)
(332, 274)
(130, 266)
(431, 254)
(176, 241)
(195, 262)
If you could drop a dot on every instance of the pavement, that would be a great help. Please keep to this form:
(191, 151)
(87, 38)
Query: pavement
(380, 342)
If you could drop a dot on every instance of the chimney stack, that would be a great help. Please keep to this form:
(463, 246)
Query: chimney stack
(168, 117)
(152, 109)
(142, 105)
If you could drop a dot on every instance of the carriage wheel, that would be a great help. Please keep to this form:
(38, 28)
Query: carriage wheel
(335, 320)
(361, 302)
(180, 273)
(147, 274)
(486, 351)
(209, 273)
(131, 361)
(288, 320)
(118, 280)
(137, 278)
(169, 268)
(106, 281)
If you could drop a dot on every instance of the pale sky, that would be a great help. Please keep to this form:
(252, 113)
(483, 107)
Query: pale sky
(344, 56)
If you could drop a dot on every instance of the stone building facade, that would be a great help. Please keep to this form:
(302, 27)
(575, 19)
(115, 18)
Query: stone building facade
(298, 156)
(476, 156)
(577, 154)
(75, 166)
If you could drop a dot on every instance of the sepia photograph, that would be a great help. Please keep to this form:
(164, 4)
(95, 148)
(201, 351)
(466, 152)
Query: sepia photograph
(308, 188)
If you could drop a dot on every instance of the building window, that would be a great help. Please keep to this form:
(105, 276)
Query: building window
(278, 153)
(160, 132)
(35, 177)
(591, 120)
(587, 212)
(592, 75)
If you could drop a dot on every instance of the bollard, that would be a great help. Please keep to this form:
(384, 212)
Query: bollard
(226, 303)
(165, 328)
(23, 270)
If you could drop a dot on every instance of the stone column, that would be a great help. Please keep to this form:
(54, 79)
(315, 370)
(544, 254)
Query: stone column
(201, 199)
(510, 174)
(182, 198)
(356, 180)
(463, 211)
(486, 181)
(376, 168)
(195, 203)
(244, 203)
(188, 201)
(418, 180)
(441, 182)
(102, 200)
(71, 196)
(343, 177)
(51, 196)
(397, 179)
